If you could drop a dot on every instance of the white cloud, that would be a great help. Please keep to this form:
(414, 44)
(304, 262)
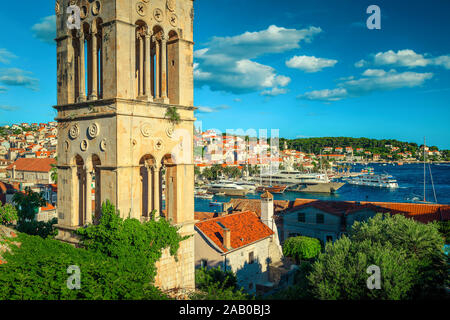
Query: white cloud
(442, 61)
(373, 73)
(206, 109)
(325, 95)
(6, 56)
(45, 30)
(227, 64)
(274, 92)
(361, 63)
(406, 58)
(18, 78)
(401, 58)
(3, 89)
(310, 64)
(372, 80)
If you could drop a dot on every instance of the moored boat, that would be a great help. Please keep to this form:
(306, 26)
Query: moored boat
(272, 189)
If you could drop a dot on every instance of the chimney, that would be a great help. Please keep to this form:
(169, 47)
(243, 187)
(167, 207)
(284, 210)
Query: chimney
(226, 236)
(267, 209)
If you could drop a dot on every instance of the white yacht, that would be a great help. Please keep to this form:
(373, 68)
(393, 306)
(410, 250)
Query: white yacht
(374, 180)
(228, 188)
(292, 177)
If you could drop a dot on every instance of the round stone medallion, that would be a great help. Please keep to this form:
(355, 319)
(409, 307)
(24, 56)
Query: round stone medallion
(96, 7)
(173, 19)
(171, 5)
(74, 131)
(146, 129)
(158, 14)
(141, 9)
(169, 131)
(93, 130)
(84, 145)
(103, 145)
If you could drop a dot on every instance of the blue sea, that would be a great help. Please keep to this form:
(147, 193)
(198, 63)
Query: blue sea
(409, 177)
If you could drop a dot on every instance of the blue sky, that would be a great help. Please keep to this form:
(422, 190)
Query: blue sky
(307, 68)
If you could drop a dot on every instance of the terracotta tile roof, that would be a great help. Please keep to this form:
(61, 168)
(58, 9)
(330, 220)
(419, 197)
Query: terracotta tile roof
(420, 212)
(205, 215)
(255, 205)
(33, 164)
(245, 227)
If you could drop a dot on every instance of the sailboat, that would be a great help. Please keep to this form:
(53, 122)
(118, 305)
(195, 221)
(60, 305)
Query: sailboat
(424, 177)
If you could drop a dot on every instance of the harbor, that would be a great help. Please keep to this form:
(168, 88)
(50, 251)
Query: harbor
(408, 176)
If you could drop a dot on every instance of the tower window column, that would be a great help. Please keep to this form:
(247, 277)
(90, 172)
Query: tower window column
(164, 68)
(81, 69)
(157, 69)
(148, 66)
(94, 61)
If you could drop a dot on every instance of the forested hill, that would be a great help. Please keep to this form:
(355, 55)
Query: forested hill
(316, 145)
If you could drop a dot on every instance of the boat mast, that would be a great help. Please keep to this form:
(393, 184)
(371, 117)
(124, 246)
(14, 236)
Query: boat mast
(424, 171)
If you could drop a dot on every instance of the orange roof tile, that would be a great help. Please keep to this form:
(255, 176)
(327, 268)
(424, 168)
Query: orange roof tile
(245, 227)
(33, 164)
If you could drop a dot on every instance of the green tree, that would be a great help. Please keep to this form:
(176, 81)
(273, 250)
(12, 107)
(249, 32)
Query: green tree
(27, 205)
(408, 253)
(301, 248)
(8, 214)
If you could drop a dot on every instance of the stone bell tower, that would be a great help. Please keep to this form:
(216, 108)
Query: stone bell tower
(126, 117)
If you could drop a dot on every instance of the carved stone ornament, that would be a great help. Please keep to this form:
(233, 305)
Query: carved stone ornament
(96, 7)
(93, 130)
(169, 131)
(158, 14)
(84, 145)
(173, 19)
(159, 144)
(141, 9)
(84, 11)
(103, 145)
(66, 146)
(74, 131)
(57, 8)
(171, 4)
(146, 129)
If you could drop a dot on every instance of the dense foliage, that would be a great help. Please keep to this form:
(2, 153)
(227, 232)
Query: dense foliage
(8, 214)
(130, 239)
(444, 229)
(38, 271)
(117, 261)
(301, 248)
(408, 253)
(315, 145)
(216, 284)
(27, 205)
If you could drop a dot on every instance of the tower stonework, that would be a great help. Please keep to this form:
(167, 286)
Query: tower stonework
(119, 73)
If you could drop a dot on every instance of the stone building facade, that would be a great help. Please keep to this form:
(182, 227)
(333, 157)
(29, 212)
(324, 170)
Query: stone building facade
(119, 73)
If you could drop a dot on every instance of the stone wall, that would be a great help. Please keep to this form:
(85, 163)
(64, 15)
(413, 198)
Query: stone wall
(177, 274)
